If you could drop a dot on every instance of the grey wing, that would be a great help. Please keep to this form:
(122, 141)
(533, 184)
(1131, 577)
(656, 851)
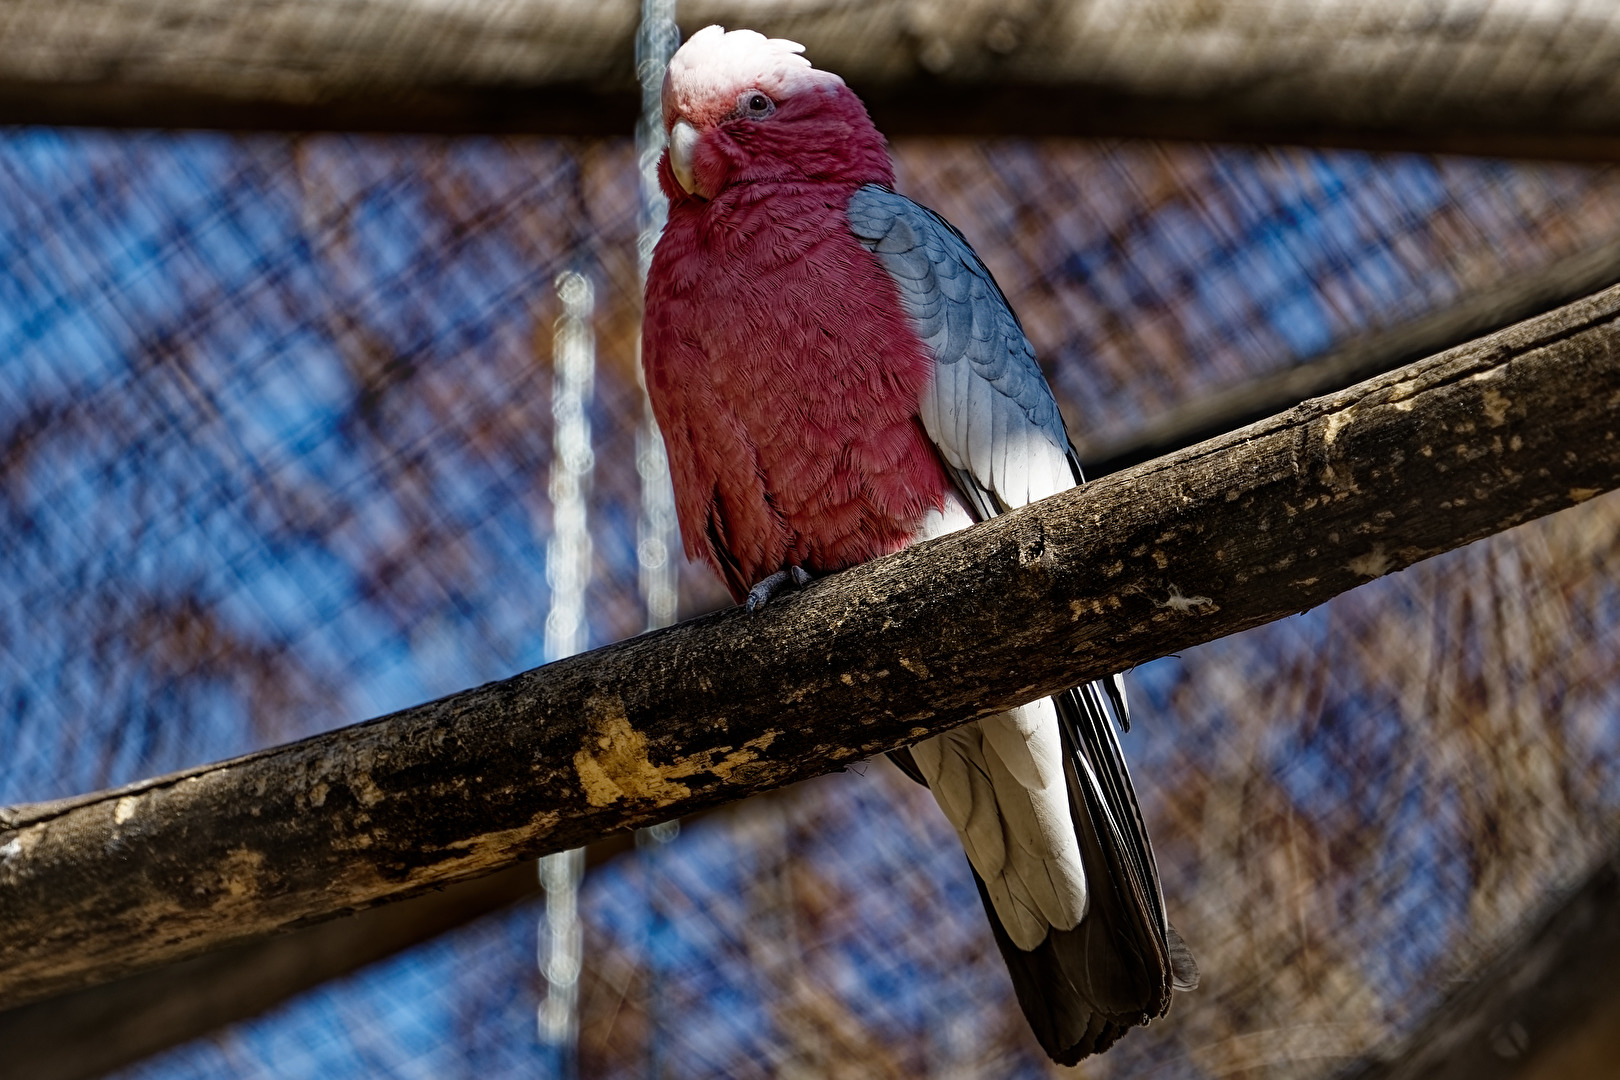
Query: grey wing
(989, 409)
(991, 414)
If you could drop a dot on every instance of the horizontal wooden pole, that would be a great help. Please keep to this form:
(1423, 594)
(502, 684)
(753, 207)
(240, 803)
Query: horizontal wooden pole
(1522, 77)
(85, 1033)
(1227, 535)
(90, 1032)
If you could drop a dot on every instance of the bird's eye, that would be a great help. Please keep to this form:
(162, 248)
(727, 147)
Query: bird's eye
(754, 105)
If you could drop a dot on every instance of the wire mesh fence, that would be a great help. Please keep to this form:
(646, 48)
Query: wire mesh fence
(277, 425)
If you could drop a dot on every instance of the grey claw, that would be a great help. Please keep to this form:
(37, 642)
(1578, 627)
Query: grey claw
(796, 577)
(761, 594)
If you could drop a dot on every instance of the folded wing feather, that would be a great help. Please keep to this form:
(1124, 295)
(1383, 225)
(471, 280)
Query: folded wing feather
(1038, 794)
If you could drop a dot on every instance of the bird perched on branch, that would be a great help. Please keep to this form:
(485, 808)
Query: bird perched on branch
(836, 376)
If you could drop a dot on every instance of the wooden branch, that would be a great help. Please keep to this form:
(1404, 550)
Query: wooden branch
(1528, 1012)
(1514, 77)
(86, 1033)
(1224, 536)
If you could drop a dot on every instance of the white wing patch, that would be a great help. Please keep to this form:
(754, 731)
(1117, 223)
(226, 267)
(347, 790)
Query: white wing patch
(990, 412)
(1000, 782)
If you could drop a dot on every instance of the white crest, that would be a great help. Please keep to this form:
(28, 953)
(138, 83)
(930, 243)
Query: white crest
(708, 72)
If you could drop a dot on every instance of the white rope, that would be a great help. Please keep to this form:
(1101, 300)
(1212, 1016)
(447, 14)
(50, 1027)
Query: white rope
(568, 552)
(568, 572)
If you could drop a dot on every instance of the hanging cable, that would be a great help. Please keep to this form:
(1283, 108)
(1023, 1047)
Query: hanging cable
(656, 531)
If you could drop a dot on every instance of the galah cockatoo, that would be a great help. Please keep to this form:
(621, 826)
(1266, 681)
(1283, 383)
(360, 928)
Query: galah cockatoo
(836, 376)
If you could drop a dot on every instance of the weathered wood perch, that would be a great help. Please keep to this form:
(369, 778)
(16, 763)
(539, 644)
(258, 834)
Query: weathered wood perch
(1226, 535)
(85, 1033)
(1531, 77)
(88, 1032)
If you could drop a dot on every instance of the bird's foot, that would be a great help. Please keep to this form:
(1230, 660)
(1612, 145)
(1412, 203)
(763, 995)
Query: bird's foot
(794, 577)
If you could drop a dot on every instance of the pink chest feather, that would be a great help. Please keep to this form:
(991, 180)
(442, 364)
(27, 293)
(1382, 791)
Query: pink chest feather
(785, 376)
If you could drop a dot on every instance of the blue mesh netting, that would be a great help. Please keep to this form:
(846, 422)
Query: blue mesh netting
(276, 431)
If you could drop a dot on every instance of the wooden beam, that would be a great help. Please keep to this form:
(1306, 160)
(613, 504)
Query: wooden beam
(90, 1032)
(1227, 535)
(1485, 311)
(87, 1033)
(1544, 1007)
(1522, 77)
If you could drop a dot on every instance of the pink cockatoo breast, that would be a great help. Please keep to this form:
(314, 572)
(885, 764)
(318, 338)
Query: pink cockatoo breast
(786, 376)
(783, 369)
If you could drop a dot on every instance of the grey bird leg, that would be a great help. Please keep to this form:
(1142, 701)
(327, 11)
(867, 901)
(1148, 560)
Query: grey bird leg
(794, 577)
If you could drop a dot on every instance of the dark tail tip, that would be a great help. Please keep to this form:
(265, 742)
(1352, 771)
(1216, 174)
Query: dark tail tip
(1183, 968)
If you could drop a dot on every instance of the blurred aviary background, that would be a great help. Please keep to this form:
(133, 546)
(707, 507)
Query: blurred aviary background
(318, 399)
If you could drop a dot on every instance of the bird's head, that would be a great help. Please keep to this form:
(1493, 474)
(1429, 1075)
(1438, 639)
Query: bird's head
(743, 108)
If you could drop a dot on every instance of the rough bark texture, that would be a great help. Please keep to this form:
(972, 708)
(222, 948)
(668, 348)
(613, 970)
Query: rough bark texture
(85, 1033)
(1515, 76)
(1229, 534)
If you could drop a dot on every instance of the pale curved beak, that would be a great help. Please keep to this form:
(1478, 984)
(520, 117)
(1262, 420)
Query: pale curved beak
(683, 139)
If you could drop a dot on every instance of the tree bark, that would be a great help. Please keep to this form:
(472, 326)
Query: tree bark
(1525, 77)
(86, 1033)
(1230, 534)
